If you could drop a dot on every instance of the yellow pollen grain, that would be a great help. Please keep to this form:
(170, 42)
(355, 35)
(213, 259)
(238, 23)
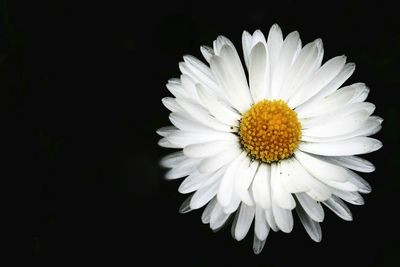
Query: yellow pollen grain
(270, 131)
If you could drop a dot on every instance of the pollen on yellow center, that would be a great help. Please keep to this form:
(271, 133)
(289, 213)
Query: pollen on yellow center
(270, 131)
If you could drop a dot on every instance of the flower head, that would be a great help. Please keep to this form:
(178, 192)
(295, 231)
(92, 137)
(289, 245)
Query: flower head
(283, 139)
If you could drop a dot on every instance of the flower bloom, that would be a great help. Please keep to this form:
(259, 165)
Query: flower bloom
(283, 137)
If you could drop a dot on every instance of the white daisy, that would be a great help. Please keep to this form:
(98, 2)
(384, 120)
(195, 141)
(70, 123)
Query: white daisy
(283, 137)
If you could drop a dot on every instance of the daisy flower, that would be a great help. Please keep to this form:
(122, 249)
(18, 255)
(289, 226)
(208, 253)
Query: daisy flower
(254, 147)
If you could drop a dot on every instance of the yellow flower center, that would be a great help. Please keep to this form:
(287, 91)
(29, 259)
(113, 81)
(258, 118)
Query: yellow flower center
(270, 131)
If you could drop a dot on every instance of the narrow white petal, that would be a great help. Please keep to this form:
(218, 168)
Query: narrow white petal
(300, 71)
(320, 79)
(313, 228)
(258, 245)
(208, 149)
(184, 138)
(185, 206)
(220, 42)
(259, 72)
(284, 62)
(233, 204)
(346, 186)
(316, 189)
(353, 162)
(206, 215)
(339, 208)
(204, 195)
(217, 108)
(213, 163)
(342, 97)
(207, 52)
(197, 180)
(261, 186)
(171, 104)
(291, 181)
(229, 72)
(261, 228)
(245, 219)
(274, 44)
(202, 115)
(354, 146)
(172, 159)
(339, 126)
(163, 142)
(362, 185)
(283, 218)
(218, 217)
(271, 220)
(200, 72)
(333, 85)
(280, 196)
(312, 207)
(166, 131)
(320, 169)
(243, 179)
(246, 44)
(351, 197)
(228, 180)
(182, 169)
(176, 89)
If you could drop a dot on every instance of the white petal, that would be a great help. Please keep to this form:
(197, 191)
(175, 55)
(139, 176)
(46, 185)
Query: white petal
(172, 159)
(208, 149)
(291, 181)
(362, 185)
(204, 195)
(353, 162)
(217, 108)
(312, 207)
(233, 204)
(246, 44)
(334, 101)
(354, 146)
(182, 169)
(259, 72)
(339, 208)
(320, 169)
(246, 215)
(316, 189)
(258, 245)
(243, 179)
(261, 228)
(339, 126)
(218, 217)
(313, 228)
(261, 186)
(351, 197)
(196, 180)
(207, 52)
(199, 72)
(206, 215)
(285, 60)
(368, 127)
(346, 186)
(166, 131)
(283, 218)
(163, 142)
(271, 220)
(213, 163)
(274, 44)
(171, 104)
(229, 73)
(226, 187)
(301, 70)
(202, 115)
(333, 85)
(185, 206)
(320, 79)
(280, 196)
(183, 138)
(220, 42)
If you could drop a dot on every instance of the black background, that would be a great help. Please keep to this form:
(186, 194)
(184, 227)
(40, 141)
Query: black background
(83, 85)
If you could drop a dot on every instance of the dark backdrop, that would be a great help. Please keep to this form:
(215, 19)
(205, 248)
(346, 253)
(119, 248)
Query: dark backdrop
(84, 84)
